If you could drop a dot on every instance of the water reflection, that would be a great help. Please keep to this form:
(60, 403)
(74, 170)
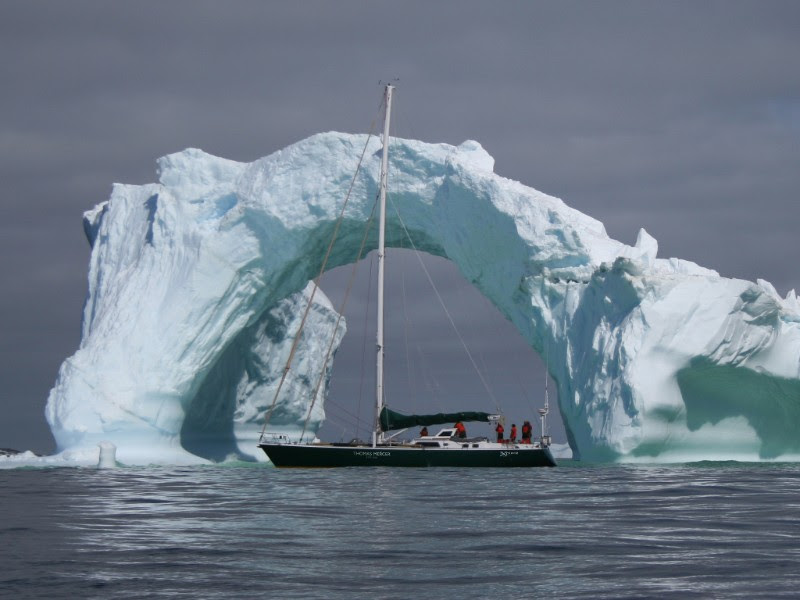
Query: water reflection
(568, 532)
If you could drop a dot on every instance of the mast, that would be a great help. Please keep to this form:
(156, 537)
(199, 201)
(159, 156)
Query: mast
(544, 411)
(381, 255)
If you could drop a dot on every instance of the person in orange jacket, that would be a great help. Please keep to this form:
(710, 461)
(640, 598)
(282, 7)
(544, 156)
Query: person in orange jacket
(461, 431)
(513, 436)
(527, 432)
(500, 431)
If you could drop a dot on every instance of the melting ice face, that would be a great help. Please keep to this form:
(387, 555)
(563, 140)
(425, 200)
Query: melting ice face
(196, 285)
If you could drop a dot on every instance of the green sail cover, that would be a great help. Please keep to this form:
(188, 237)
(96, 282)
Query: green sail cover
(395, 420)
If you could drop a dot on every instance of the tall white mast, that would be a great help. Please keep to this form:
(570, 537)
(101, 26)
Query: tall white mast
(381, 255)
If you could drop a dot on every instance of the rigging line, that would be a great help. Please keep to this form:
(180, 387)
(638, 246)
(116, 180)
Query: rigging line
(341, 419)
(409, 379)
(343, 425)
(341, 315)
(450, 318)
(398, 125)
(364, 344)
(546, 365)
(484, 368)
(429, 379)
(341, 435)
(342, 409)
(317, 280)
(488, 372)
(339, 318)
(526, 395)
(336, 421)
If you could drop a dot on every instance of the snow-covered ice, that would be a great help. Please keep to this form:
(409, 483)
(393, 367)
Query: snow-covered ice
(197, 282)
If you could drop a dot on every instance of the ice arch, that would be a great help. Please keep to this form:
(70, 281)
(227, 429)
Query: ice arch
(196, 283)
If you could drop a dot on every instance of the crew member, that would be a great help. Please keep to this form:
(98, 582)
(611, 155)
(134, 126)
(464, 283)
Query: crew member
(527, 432)
(513, 433)
(461, 431)
(500, 431)
(423, 432)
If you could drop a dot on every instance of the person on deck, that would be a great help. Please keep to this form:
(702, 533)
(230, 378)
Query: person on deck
(461, 431)
(513, 436)
(500, 431)
(423, 432)
(527, 432)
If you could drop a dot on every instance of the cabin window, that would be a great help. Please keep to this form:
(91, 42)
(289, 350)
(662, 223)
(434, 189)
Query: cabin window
(474, 445)
(465, 445)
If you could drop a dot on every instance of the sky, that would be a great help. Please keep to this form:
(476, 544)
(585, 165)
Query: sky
(681, 117)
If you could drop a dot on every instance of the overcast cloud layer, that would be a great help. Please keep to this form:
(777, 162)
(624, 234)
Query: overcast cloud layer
(679, 117)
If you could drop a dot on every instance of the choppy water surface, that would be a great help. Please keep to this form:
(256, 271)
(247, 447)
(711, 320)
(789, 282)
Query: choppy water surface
(578, 531)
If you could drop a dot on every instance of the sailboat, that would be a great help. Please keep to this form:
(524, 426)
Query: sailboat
(447, 448)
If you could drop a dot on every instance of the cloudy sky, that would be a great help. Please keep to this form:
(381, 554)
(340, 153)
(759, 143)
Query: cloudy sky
(679, 117)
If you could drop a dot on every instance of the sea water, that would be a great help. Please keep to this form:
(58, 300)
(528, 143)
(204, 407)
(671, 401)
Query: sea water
(712, 530)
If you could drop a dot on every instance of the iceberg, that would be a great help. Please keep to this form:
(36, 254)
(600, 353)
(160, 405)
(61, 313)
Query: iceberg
(197, 284)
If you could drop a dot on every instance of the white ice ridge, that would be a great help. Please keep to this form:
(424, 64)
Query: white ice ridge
(196, 285)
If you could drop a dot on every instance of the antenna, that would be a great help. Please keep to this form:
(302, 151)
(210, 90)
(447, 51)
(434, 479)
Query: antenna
(543, 412)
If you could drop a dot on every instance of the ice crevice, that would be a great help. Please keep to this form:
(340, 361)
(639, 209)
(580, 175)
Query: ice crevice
(197, 284)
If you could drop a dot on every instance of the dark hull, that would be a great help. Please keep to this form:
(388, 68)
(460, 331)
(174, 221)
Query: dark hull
(321, 455)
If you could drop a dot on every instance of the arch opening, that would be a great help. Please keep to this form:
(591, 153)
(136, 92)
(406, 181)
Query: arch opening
(427, 369)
